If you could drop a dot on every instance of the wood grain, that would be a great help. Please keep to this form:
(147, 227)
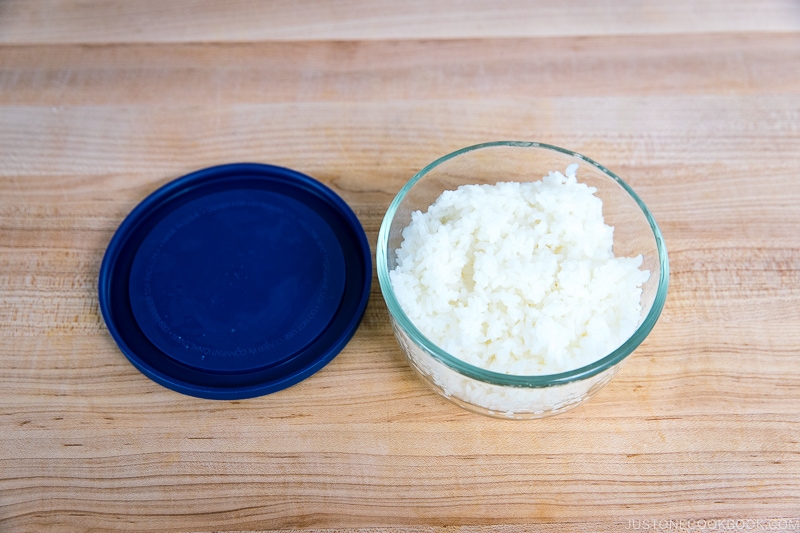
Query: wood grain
(99, 21)
(369, 71)
(698, 108)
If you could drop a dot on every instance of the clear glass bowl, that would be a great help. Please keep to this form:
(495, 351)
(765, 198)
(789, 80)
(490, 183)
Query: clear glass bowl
(515, 396)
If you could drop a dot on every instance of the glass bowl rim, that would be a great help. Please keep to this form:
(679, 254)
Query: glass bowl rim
(497, 378)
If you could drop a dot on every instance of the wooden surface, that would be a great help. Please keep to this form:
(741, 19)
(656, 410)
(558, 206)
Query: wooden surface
(695, 104)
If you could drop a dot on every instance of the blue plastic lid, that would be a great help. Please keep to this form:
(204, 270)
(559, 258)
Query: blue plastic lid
(236, 281)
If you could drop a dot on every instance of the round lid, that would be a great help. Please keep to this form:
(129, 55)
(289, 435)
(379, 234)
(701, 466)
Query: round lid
(236, 281)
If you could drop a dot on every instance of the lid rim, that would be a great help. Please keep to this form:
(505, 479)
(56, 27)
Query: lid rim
(116, 265)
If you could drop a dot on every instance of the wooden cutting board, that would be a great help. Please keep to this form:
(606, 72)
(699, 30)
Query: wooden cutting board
(696, 105)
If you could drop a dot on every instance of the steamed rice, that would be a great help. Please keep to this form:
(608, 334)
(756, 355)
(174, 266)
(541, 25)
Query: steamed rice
(519, 278)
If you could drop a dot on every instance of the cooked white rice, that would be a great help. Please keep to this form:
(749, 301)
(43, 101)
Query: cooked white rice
(519, 278)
